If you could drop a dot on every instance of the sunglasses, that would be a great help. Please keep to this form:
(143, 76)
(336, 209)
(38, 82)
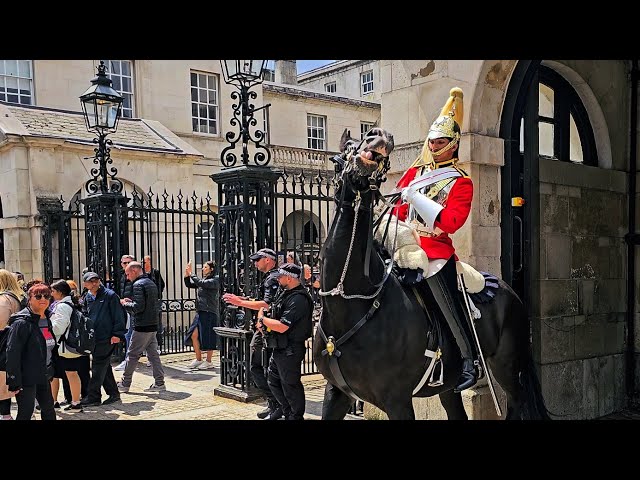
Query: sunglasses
(40, 295)
(125, 263)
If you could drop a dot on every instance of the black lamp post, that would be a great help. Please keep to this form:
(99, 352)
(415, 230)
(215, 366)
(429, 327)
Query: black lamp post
(244, 74)
(101, 105)
(105, 230)
(246, 199)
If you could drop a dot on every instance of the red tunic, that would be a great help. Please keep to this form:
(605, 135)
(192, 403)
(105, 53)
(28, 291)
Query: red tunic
(450, 219)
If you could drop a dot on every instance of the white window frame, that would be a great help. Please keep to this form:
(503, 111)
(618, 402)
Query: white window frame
(365, 127)
(206, 104)
(330, 87)
(316, 132)
(115, 72)
(20, 79)
(366, 82)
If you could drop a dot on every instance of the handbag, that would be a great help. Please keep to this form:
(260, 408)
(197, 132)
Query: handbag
(4, 390)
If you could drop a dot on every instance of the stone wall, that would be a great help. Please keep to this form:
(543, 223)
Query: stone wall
(581, 327)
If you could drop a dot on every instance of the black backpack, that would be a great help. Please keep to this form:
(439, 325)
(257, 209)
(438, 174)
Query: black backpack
(80, 336)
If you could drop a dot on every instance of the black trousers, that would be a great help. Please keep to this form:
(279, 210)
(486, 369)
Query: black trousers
(101, 372)
(285, 371)
(257, 367)
(26, 400)
(444, 287)
(84, 372)
(5, 407)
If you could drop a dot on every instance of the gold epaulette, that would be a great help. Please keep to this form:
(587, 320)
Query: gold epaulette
(462, 172)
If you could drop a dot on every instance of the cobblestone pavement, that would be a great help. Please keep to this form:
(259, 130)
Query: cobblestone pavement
(189, 396)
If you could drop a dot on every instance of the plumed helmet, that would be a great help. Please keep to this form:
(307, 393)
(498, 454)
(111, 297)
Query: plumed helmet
(448, 123)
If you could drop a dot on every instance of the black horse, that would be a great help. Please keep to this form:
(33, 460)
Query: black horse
(371, 345)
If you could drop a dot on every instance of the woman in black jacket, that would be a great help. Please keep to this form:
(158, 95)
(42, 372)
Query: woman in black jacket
(31, 352)
(200, 333)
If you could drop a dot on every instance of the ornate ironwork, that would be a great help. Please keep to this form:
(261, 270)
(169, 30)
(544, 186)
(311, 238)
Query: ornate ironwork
(104, 178)
(105, 234)
(243, 118)
(94, 232)
(245, 224)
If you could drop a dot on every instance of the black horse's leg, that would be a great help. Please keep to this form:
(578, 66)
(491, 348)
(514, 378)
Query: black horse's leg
(400, 409)
(452, 403)
(336, 403)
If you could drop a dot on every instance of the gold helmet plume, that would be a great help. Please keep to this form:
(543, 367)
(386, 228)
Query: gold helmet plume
(446, 125)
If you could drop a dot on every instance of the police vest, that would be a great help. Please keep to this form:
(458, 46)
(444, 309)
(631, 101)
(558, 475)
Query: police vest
(299, 331)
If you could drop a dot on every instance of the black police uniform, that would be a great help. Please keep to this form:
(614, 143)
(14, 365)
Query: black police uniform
(293, 308)
(268, 291)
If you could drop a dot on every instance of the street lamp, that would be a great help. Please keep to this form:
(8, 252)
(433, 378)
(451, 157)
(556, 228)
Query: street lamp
(101, 105)
(244, 74)
(246, 203)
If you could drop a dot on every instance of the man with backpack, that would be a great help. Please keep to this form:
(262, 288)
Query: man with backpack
(103, 307)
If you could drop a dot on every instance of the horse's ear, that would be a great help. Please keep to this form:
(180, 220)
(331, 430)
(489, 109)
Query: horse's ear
(346, 136)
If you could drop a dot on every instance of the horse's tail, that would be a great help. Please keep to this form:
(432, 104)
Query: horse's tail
(533, 407)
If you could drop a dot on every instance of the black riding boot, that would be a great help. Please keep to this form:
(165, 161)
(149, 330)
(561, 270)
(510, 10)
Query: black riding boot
(444, 287)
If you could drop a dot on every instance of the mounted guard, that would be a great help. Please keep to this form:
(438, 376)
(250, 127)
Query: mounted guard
(375, 341)
(436, 196)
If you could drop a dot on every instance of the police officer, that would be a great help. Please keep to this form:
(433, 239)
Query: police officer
(265, 261)
(288, 324)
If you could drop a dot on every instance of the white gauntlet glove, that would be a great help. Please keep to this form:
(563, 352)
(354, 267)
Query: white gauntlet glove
(426, 208)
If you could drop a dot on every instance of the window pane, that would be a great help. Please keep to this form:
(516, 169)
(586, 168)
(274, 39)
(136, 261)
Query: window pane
(2, 67)
(546, 139)
(23, 86)
(545, 97)
(575, 146)
(203, 96)
(194, 109)
(126, 84)
(194, 94)
(126, 68)
(194, 80)
(202, 81)
(114, 66)
(194, 124)
(25, 100)
(24, 68)
(116, 83)
(12, 67)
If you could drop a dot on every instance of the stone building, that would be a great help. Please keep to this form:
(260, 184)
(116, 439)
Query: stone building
(551, 148)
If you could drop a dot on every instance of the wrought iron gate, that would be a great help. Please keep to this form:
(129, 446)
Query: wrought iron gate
(172, 229)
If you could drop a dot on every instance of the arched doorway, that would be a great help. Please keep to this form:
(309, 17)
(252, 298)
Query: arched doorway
(302, 232)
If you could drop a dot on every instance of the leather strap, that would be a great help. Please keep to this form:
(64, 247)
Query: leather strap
(333, 358)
